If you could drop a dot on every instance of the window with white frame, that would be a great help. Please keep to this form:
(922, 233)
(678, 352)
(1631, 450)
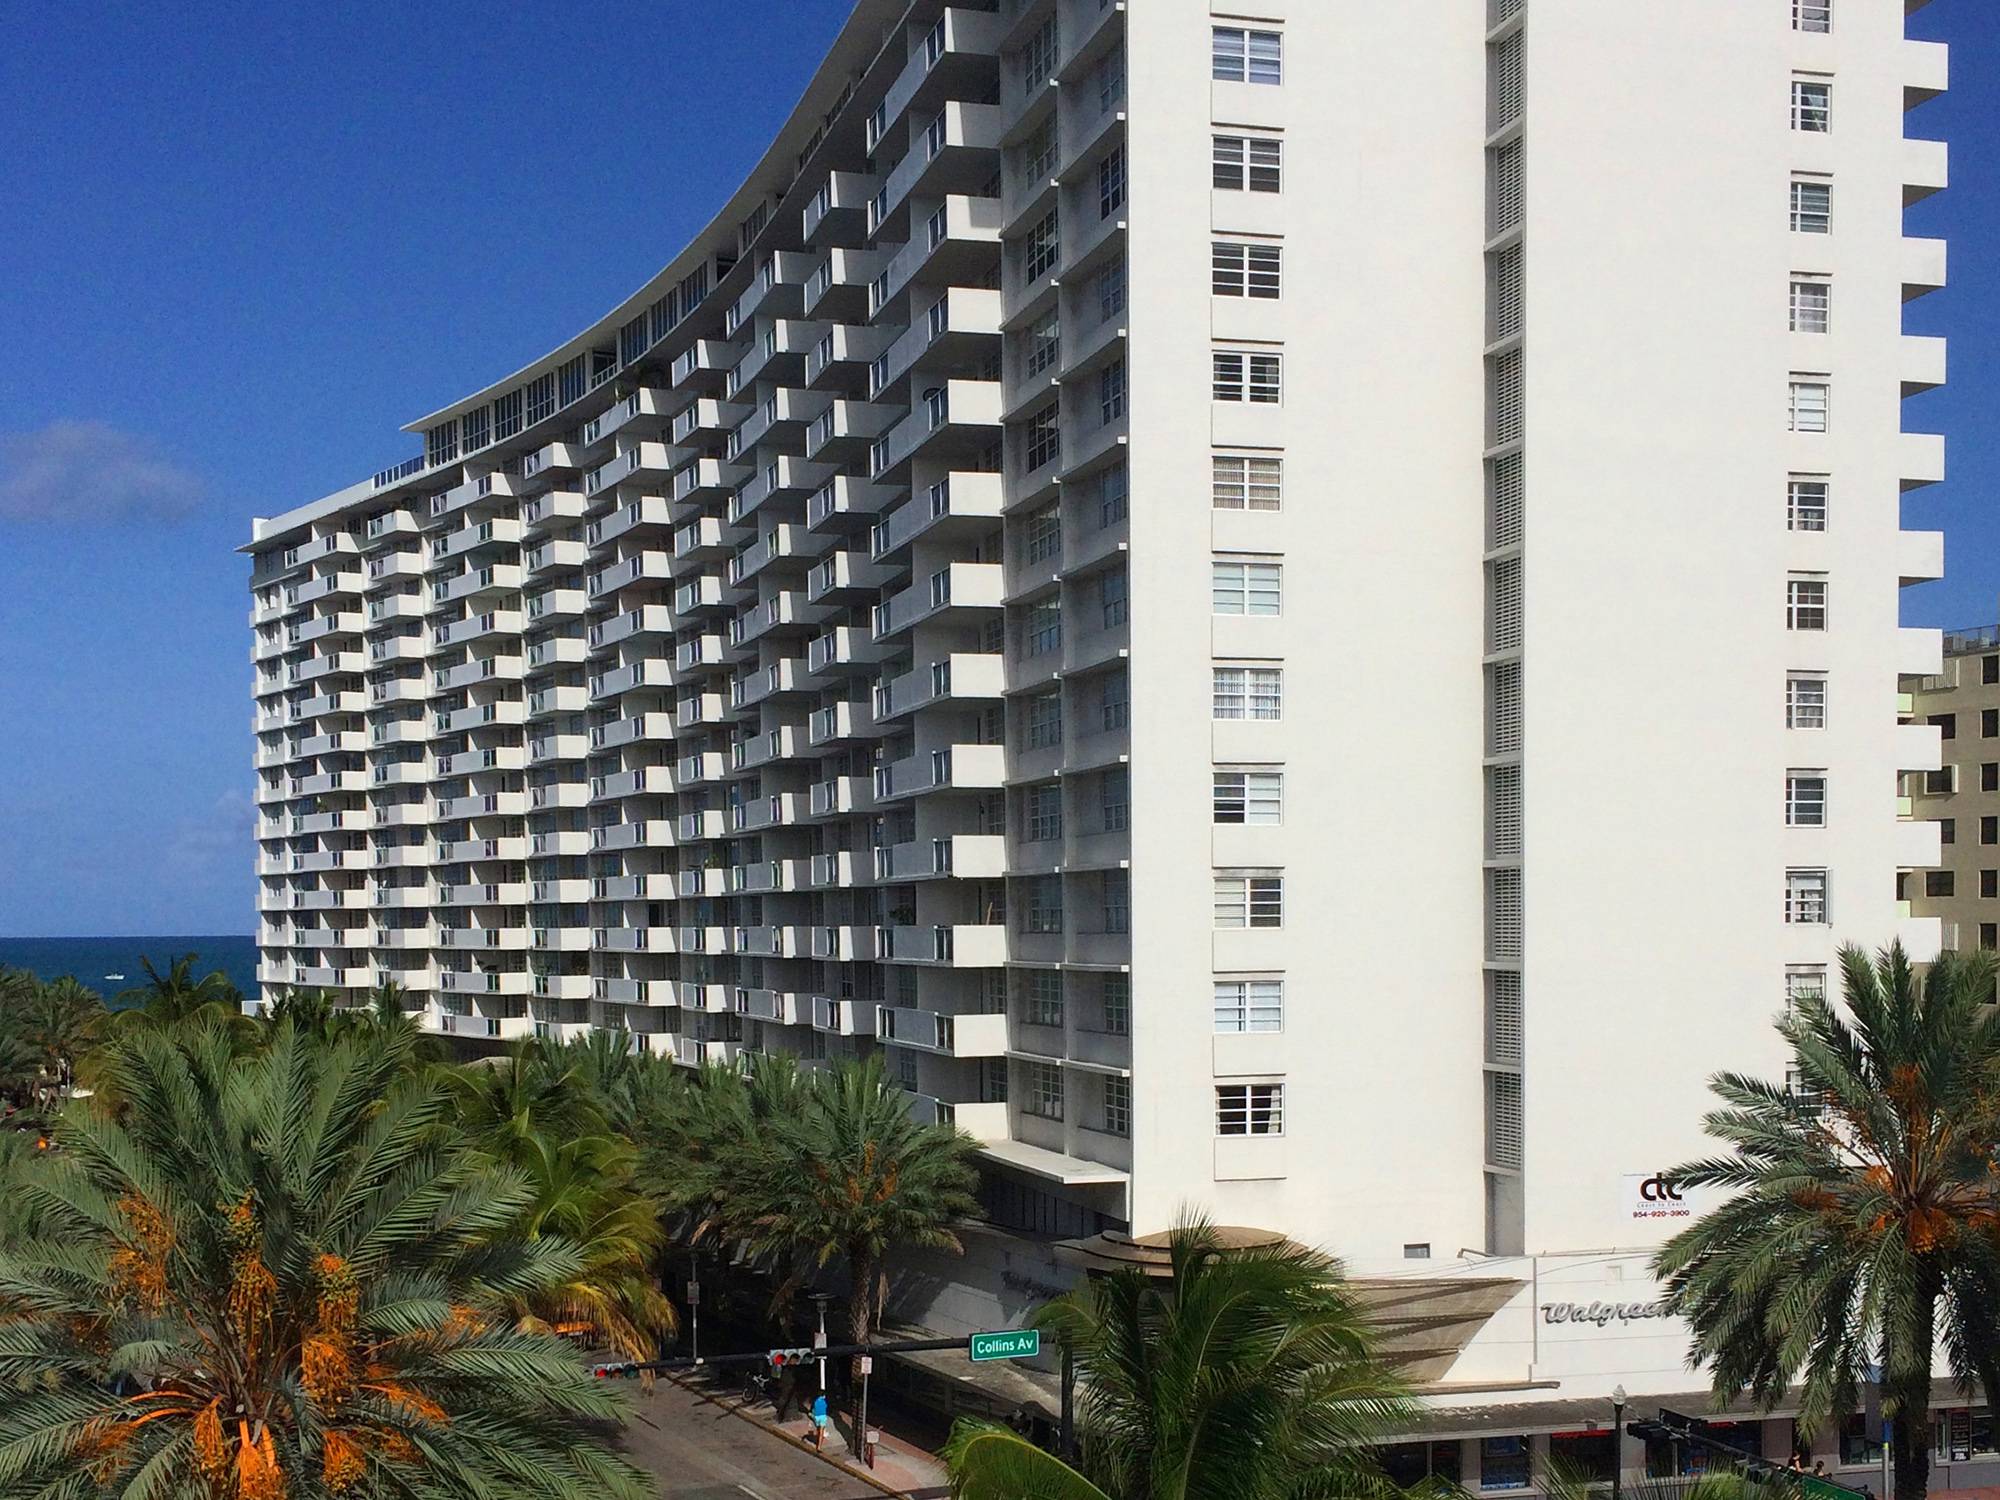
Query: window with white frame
(1044, 726)
(1246, 586)
(1805, 897)
(1111, 392)
(1805, 604)
(1805, 502)
(1043, 910)
(1812, 206)
(1805, 799)
(1249, 375)
(1804, 982)
(1244, 899)
(1117, 1106)
(1242, 268)
(1249, 692)
(1251, 796)
(1038, 57)
(1812, 105)
(1112, 595)
(1812, 15)
(1114, 799)
(1044, 529)
(1041, 627)
(1247, 1005)
(1043, 997)
(1042, 813)
(1811, 304)
(1249, 163)
(1041, 438)
(1111, 183)
(1044, 344)
(1805, 701)
(1241, 55)
(1044, 1094)
(1249, 1109)
(1247, 482)
(1806, 406)
(1042, 247)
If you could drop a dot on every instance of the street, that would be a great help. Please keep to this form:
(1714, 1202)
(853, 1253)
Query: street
(701, 1451)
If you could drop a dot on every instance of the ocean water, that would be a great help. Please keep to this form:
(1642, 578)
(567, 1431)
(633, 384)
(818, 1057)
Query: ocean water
(92, 959)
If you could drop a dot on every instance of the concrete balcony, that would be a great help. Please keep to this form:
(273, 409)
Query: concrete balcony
(641, 567)
(706, 420)
(488, 1028)
(846, 431)
(1919, 556)
(478, 583)
(561, 794)
(335, 663)
(696, 711)
(555, 555)
(650, 833)
(1919, 652)
(845, 504)
(768, 812)
(509, 893)
(562, 650)
(838, 870)
(1921, 363)
(501, 622)
(956, 767)
(640, 781)
(1926, 70)
(1920, 458)
(1918, 844)
(641, 463)
(701, 826)
(476, 536)
(551, 507)
(637, 729)
(839, 208)
(647, 620)
(512, 939)
(847, 944)
(966, 946)
(783, 1007)
(559, 843)
(398, 648)
(563, 699)
(1923, 266)
(491, 758)
(957, 149)
(634, 939)
(647, 409)
(571, 891)
(787, 742)
(485, 981)
(952, 1036)
(321, 627)
(510, 711)
(560, 986)
(983, 1122)
(967, 410)
(958, 593)
(709, 998)
(841, 1017)
(468, 850)
(502, 668)
(1919, 747)
(1925, 169)
(394, 568)
(962, 677)
(550, 605)
(965, 855)
(842, 721)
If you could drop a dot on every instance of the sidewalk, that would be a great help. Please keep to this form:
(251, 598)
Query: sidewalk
(901, 1468)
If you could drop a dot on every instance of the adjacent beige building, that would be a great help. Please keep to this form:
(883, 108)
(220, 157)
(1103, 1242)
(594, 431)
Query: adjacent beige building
(1963, 795)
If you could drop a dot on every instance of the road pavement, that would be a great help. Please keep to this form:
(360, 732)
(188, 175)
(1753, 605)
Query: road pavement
(702, 1451)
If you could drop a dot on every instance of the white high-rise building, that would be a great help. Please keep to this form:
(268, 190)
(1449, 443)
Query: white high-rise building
(1289, 605)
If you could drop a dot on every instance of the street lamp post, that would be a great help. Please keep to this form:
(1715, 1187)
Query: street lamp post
(1617, 1440)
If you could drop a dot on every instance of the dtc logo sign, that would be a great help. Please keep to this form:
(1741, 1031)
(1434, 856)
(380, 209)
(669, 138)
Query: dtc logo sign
(1656, 1195)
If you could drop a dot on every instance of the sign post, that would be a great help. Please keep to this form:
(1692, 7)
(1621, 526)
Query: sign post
(1008, 1343)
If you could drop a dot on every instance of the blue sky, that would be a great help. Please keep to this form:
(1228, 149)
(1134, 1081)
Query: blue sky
(245, 244)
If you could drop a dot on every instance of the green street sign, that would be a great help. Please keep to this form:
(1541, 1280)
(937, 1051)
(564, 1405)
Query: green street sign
(1011, 1343)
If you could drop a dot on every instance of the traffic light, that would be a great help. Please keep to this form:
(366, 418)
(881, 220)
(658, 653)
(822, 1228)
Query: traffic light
(781, 1357)
(622, 1370)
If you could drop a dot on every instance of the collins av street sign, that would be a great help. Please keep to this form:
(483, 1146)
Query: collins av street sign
(1012, 1343)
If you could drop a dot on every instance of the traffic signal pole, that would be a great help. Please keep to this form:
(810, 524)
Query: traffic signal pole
(776, 1358)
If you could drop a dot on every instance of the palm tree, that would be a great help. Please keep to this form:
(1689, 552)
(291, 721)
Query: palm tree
(845, 1173)
(283, 1276)
(176, 995)
(68, 1019)
(506, 1102)
(1862, 1209)
(1250, 1374)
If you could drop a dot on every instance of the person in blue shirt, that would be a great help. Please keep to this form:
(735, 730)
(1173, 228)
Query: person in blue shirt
(819, 1421)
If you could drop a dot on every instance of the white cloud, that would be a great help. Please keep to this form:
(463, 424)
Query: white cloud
(90, 472)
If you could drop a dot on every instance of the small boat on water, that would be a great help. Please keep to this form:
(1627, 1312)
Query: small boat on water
(114, 976)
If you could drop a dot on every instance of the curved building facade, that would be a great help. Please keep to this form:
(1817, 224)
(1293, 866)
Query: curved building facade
(1203, 578)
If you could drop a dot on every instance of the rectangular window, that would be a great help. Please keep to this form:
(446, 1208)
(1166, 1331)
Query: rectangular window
(1805, 897)
(1044, 910)
(1044, 998)
(1811, 305)
(1113, 495)
(1044, 344)
(1253, 797)
(1116, 901)
(1114, 701)
(1242, 482)
(1117, 1106)
(1989, 669)
(1041, 629)
(1812, 105)
(1243, 56)
(1805, 799)
(1947, 725)
(1989, 884)
(1249, 1109)
(1503, 1463)
(1118, 1004)
(1042, 248)
(1242, 269)
(1238, 586)
(1989, 776)
(1804, 982)
(1044, 1094)
(1110, 80)
(1044, 721)
(1806, 408)
(1947, 830)
(1989, 723)
(1805, 604)
(1044, 533)
(1111, 392)
(1114, 800)
(1044, 813)
(1249, 692)
(1989, 829)
(1111, 594)
(1249, 900)
(1805, 504)
(1111, 290)
(1240, 375)
(1939, 883)
(1042, 438)
(1038, 58)
(1248, 163)
(1111, 183)
(1805, 702)
(1812, 207)
(1246, 1005)
(1812, 15)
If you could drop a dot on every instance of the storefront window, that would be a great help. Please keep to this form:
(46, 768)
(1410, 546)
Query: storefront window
(1586, 1456)
(1860, 1440)
(1964, 1434)
(1408, 1464)
(1503, 1463)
